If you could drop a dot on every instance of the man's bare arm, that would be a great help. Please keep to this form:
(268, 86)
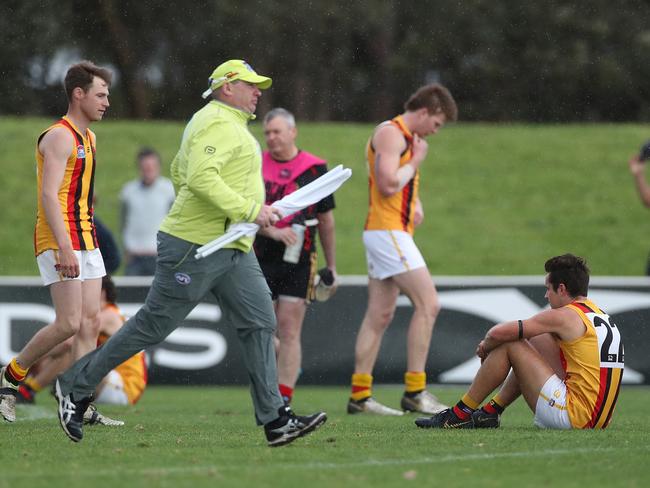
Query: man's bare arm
(561, 322)
(56, 147)
(328, 238)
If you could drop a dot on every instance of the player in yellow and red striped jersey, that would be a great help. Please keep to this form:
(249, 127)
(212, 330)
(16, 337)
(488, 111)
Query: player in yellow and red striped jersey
(395, 152)
(567, 362)
(64, 238)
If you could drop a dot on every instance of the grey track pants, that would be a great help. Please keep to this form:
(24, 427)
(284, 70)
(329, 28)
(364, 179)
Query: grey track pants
(180, 282)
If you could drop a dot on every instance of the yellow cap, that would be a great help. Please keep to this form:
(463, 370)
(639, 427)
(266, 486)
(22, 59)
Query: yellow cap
(232, 70)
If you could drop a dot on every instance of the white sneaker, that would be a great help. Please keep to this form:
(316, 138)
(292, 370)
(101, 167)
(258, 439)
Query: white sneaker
(423, 402)
(93, 417)
(8, 392)
(370, 405)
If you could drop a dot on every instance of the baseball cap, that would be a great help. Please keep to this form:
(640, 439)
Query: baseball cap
(233, 70)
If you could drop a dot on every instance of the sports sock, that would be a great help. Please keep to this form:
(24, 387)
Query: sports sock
(494, 406)
(361, 386)
(286, 392)
(414, 382)
(464, 408)
(15, 373)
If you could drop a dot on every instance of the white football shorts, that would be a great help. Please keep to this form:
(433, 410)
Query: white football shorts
(390, 252)
(551, 410)
(91, 266)
(113, 392)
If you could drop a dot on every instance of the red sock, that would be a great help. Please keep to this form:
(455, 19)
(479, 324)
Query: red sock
(493, 407)
(286, 392)
(462, 411)
(489, 408)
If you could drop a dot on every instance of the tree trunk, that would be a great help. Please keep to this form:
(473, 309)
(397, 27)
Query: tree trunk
(137, 95)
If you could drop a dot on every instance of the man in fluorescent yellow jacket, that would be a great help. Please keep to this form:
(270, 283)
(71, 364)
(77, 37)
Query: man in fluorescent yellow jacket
(216, 175)
(218, 180)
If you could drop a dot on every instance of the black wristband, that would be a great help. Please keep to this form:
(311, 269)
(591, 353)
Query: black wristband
(521, 329)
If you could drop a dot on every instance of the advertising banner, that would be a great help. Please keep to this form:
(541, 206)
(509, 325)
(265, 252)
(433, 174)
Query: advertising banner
(204, 349)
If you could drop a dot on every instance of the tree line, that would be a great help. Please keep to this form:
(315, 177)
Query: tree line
(354, 60)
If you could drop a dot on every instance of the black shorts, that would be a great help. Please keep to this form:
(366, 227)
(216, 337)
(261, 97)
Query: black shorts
(294, 280)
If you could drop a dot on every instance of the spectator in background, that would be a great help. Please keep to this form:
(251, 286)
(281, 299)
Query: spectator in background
(107, 244)
(145, 203)
(287, 250)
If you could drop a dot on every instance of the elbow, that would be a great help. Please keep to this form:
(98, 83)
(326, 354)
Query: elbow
(387, 190)
(49, 197)
(195, 187)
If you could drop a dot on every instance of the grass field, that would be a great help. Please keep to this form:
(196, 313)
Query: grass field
(499, 199)
(205, 437)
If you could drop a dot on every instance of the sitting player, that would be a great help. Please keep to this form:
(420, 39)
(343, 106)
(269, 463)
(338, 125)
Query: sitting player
(567, 362)
(125, 384)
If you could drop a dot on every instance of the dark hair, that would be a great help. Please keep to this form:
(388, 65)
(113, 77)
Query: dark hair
(110, 289)
(81, 75)
(570, 270)
(435, 98)
(145, 152)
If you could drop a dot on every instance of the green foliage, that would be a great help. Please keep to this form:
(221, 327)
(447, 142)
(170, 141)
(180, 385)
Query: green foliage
(498, 199)
(343, 60)
(206, 437)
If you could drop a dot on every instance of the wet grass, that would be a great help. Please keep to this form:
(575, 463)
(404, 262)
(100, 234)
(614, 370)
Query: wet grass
(206, 436)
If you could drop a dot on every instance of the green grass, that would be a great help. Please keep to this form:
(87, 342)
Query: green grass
(499, 199)
(200, 436)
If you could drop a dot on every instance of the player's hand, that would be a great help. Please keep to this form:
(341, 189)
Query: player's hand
(285, 235)
(68, 264)
(419, 150)
(267, 216)
(480, 351)
(636, 165)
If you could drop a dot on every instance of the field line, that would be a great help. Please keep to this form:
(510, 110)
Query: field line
(216, 468)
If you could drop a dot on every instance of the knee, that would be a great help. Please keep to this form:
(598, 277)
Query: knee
(434, 309)
(66, 346)
(381, 318)
(69, 323)
(90, 326)
(429, 308)
(289, 332)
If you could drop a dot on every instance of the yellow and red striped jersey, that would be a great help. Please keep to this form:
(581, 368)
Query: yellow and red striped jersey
(75, 193)
(594, 367)
(133, 371)
(396, 211)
